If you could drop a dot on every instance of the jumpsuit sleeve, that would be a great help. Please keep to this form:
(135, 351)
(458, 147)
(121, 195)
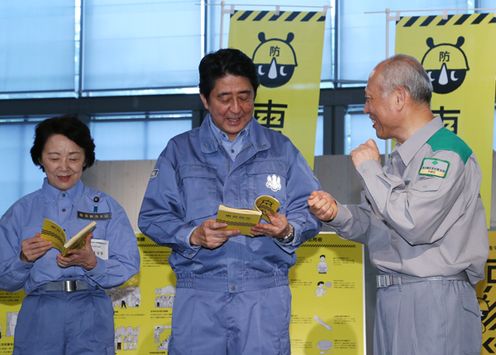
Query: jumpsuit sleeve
(162, 214)
(301, 182)
(123, 261)
(356, 222)
(13, 271)
(417, 210)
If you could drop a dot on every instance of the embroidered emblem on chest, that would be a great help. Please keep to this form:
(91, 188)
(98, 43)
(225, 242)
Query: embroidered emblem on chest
(273, 182)
(434, 167)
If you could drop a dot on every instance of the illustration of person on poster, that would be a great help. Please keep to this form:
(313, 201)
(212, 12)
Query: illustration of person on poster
(322, 266)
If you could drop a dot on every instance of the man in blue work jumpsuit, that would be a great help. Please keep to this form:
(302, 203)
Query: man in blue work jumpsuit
(232, 290)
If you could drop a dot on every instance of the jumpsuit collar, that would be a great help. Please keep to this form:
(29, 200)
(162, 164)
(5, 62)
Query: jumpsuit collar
(411, 146)
(256, 136)
(54, 194)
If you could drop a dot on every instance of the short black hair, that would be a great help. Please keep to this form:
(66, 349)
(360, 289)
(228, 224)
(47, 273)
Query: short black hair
(69, 126)
(226, 61)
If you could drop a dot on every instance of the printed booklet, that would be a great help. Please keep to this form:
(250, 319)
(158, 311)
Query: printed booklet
(244, 219)
(54, 233)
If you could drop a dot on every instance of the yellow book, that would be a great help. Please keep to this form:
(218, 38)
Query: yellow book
(244, 218)
(238, 218)
(54, 233)
(267, 204)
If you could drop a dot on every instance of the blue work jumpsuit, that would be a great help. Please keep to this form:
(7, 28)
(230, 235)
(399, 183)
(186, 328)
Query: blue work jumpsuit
(53, 321)
(233, 299)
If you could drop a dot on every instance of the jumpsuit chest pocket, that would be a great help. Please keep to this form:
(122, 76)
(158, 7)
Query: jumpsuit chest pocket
(427, 184)
(198, 185)
(267, 177)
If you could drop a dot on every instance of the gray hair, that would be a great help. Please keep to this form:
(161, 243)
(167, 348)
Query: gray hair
(405, 71)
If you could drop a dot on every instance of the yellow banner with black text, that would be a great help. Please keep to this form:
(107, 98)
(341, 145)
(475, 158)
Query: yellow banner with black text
(458, 52)
(286, 48)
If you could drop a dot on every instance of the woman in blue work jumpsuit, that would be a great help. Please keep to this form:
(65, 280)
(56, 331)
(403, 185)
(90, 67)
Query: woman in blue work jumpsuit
(66, 310)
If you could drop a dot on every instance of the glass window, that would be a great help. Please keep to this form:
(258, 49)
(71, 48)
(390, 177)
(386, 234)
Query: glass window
(319, 136)
(362, 31)
(137, 137)
(131, 44)
(37, 46)
(122, 143)
(489, 5)
(160, 132)
(358, 128)
(19, 176)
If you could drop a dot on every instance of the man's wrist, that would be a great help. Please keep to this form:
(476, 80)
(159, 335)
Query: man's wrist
(24, 258)
(289, 236)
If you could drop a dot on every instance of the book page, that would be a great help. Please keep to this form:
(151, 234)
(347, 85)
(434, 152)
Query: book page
(78, 240)
(54, 233)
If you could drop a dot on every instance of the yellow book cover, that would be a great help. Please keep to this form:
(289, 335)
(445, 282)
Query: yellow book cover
(54, 233)
(267, 204)
(238, 218)
(245, 218)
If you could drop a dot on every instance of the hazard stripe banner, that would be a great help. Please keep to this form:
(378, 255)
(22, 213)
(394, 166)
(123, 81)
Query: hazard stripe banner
(458, 52)
(286, 48)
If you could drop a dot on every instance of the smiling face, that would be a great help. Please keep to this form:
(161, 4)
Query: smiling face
(231, 104)
(380, 107)
(63, 161)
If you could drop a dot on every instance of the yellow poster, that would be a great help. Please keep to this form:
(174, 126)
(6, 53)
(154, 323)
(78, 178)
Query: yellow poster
(486, 293)
(143, 306)
(328, 308)
(10, 304)
(457, 52)
(286, 48)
